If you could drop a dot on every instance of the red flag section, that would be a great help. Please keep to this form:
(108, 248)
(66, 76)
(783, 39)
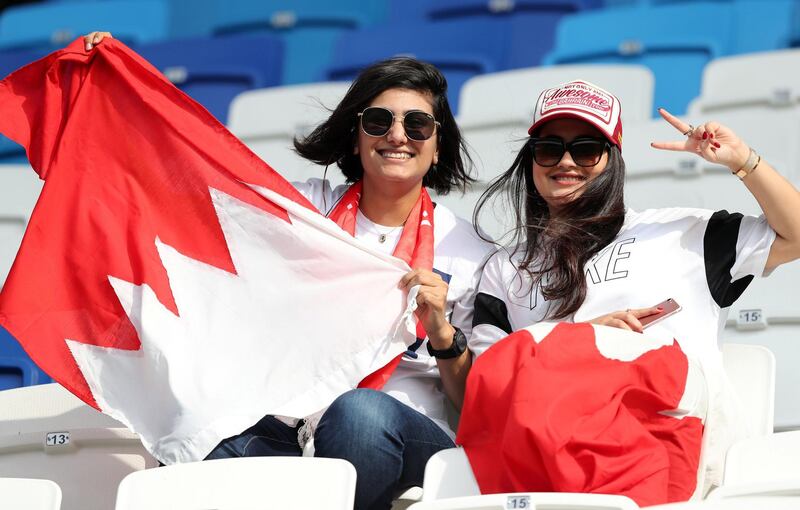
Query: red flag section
(554, 414)
(83, 118)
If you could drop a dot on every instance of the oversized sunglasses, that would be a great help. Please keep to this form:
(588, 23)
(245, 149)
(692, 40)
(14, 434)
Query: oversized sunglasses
(584, 151)
(377, 121)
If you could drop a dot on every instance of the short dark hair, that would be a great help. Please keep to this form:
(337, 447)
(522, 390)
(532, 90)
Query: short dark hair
(333, 140)
(559, 247)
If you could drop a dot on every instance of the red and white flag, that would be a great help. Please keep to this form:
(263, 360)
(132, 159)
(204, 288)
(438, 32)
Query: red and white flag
(168, 276)
(583, 408)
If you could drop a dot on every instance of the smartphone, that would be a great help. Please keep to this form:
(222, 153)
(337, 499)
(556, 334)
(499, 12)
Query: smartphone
(668, 307)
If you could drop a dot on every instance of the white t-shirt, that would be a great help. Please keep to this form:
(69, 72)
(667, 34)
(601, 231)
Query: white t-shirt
(458, 257)
(702, 259)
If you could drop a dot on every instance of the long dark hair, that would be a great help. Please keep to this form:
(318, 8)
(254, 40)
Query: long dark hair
(555, 250)
(333, 140)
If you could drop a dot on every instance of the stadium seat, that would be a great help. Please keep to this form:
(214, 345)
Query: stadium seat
(526, 26)
(454, 47)
(755, 82)
(49, 26)
(309, 29)
(249, 482)
(46, 432)
(766, 315)
(450, 484)
(267, 121)
(214, 70)
(29, 494)
(762, 465)
(751, 370)
(674, 40)
(16, 368)
(496, 129)
(19, 189)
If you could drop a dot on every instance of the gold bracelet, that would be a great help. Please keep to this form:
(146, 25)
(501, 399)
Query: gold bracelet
(751, 164)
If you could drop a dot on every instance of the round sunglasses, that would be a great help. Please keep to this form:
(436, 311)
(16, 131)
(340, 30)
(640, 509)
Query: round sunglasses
(584, 151)
(377, 121)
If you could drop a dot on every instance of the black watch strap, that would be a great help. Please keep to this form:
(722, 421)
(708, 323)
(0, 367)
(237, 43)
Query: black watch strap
(455, 350)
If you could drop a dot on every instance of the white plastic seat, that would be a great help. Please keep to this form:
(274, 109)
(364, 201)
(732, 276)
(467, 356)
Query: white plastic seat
(29, 494)
(767, 315)
(250, 482)
(450, 484)
(751, 370)
(19, 189)
(531, 500)
(267, 120)
(743, 503)
(46, 432)
(765, 465)
(759, 82)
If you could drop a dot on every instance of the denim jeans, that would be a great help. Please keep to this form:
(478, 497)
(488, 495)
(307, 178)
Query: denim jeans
(388, 443)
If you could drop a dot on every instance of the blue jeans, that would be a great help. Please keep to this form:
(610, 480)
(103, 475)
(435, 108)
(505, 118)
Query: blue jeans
(388, 443)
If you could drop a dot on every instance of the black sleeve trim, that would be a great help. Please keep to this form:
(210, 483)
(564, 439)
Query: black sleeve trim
(491, 310)
(719, 247)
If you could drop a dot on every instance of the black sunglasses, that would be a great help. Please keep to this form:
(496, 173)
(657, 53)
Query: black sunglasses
(377, 121)
(584, 151)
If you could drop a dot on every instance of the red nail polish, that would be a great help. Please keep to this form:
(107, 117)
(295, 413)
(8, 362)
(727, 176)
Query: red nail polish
(712, 135)
(717, 145)
(705, 135)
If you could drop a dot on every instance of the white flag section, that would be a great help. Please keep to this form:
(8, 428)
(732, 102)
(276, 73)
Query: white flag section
(309, 314)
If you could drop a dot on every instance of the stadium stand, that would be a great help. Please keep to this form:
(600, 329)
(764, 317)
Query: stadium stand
(451, 46)
(47, 433)
(527, 26)
(29, 494)
(277, 482)
(214, 70)
(19, 188)
(308, 29)
(496, 129)
(267, 121)
(674, 40)
(724, 87)
(50, 26)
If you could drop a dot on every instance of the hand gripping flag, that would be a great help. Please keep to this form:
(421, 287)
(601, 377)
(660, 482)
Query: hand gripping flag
(168, 276)
(583, 408)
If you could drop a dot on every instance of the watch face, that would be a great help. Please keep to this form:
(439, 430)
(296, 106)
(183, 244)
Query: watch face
(460, 341)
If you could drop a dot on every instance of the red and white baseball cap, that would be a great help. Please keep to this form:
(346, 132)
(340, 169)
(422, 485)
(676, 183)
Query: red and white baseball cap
(582, 100)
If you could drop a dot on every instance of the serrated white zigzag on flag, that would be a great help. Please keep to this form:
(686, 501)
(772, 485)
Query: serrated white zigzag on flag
(309, 313)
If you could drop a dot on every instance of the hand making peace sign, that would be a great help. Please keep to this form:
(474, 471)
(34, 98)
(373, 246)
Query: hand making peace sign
(712, 141)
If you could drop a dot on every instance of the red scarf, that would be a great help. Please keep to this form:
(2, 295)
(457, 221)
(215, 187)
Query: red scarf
(415, 247)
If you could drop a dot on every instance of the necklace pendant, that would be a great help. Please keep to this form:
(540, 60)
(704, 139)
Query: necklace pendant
(382, 238)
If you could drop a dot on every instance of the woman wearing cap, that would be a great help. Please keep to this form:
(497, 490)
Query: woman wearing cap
(579, 255)
(393, 135)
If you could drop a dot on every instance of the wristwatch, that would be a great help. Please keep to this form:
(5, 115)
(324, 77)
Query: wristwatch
(455, 350)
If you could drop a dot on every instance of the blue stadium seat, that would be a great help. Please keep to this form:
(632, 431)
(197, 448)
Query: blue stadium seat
(528, 26)
(11, 152)
(675, 41)
(214, 70)
(11, 60)
(454, 47)
(16, 369)
(308, 28)
(50, 26)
